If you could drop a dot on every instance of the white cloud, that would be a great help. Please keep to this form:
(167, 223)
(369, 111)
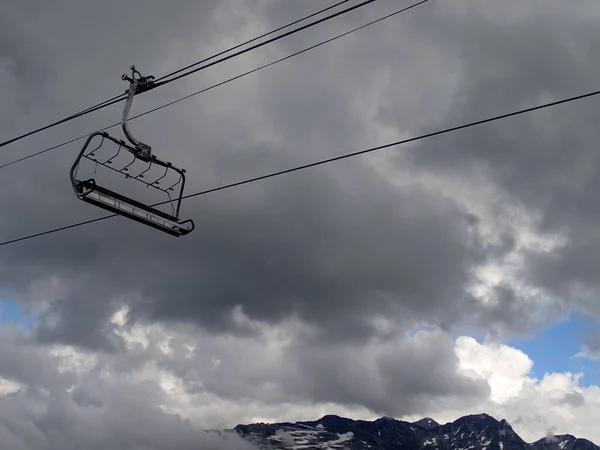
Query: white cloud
(172, 368)
(504, 367)
(532, 406)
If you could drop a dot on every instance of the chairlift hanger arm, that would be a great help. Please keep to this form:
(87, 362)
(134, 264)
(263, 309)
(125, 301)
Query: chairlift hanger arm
(137, 84)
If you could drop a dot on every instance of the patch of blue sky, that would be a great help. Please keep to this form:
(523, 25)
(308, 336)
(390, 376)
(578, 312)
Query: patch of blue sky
(558, 347)
(12, 313)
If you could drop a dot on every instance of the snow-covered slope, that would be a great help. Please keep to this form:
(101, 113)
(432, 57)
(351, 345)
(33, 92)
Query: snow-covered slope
(475, 432)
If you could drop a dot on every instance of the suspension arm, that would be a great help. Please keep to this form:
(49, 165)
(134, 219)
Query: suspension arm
(136, 85)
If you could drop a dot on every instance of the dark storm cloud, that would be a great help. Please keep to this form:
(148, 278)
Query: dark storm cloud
(333, 254)
(81, 318)
(546, 161)
(20, 71)
(336, 246)
(395, 379)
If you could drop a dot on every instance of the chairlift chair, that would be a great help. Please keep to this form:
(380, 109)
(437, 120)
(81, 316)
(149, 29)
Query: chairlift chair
(90, 191)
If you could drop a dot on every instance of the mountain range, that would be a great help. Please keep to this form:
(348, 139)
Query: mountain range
(473, 432)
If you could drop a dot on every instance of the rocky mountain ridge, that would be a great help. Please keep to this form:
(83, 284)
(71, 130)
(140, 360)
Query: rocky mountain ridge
(473, 432)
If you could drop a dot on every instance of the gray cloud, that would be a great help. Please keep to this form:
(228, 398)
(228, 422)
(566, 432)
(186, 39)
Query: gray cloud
(336, 246)
(394, 376)
(394, 379)
(115, 399)
(30, 421)
(593, 342)
(118, 411)
(591, 345)
(506, 311)
(339, 248)
(543, 161)
(574, 399)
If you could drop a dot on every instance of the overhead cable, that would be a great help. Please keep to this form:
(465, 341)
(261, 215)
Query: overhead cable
(326, 161)
(121, 97)
(252, 40)
(229, 80)
(268, 41)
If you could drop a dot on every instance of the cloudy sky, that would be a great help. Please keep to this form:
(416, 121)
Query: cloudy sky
(455, 275)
